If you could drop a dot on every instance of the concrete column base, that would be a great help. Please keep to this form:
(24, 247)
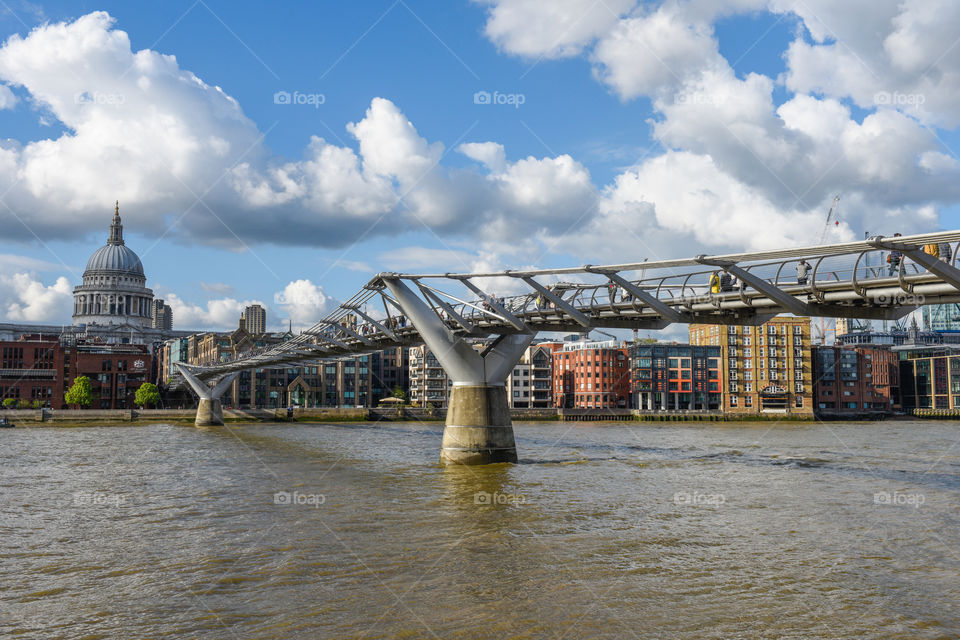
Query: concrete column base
(478, 430)
(209, 413)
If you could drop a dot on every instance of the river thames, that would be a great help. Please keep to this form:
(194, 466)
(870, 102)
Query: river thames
(620, 530)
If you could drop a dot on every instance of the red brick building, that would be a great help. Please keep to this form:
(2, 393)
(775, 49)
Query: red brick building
(31, 371)
(115, 372)
(37, 370)
(591, 375)
(854, 381)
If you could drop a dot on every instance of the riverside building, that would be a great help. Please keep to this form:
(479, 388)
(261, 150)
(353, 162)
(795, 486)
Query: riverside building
(855, 381)
(591, 375)
(675, 377)
(764, 369)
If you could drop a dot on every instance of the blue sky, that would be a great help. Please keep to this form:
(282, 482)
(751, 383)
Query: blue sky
(428, 59)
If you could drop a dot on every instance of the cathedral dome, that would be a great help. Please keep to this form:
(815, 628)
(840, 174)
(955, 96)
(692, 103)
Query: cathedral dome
(115, 257)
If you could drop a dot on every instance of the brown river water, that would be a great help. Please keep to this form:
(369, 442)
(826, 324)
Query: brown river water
(618, 530)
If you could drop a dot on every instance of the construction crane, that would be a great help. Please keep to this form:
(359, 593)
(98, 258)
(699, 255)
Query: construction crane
(821, 328)
(830, 216)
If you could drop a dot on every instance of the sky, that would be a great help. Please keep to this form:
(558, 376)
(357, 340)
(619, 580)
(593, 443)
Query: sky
(285, 154)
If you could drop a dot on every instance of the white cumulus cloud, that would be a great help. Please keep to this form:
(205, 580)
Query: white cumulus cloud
(24, 298)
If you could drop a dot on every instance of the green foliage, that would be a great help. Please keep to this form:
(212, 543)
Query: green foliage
(9, 403)
(80, 392)
(398, 392)
(147, 395)
(35, 404)
(23, 404)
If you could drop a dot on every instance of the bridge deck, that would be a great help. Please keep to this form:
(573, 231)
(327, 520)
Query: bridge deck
(852, 280)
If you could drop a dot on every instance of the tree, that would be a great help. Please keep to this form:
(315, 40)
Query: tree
(9, 403)
(80, 392)
(398, 392)
(147, 394)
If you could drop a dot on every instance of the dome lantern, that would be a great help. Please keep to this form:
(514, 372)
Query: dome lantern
(116, 227)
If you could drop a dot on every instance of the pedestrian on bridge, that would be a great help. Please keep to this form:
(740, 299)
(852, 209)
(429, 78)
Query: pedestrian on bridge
(893, 260)
(715, 282)
(726, 282)
(803, 268)
(945, 252)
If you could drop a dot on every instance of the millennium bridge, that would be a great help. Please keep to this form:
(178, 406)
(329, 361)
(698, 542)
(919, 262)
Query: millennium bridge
(478, 336)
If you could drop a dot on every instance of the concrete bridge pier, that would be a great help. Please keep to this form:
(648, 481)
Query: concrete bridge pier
(478, 428)
(209, 409)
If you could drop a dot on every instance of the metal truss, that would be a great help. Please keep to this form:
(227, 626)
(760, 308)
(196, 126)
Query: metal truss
(851, 280)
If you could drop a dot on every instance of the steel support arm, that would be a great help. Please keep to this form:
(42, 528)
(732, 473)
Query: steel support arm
(350, 332)
(456, 317)
(773, 292)
(334, 342)
(381, 327)
(646, 298)
(557, 300)
(203, 390)
(500, 360)
(458, 359)
(496, 306)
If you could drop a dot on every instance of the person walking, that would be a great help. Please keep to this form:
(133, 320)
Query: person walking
(945, 252)
(715, 282)
(893, 260)
(726, 282)
(735, 283)
(803, 269)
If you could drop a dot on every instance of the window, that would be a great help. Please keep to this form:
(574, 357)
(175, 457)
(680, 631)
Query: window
(733, 401)
(798, 387)
(748, 401)
(798, 402)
